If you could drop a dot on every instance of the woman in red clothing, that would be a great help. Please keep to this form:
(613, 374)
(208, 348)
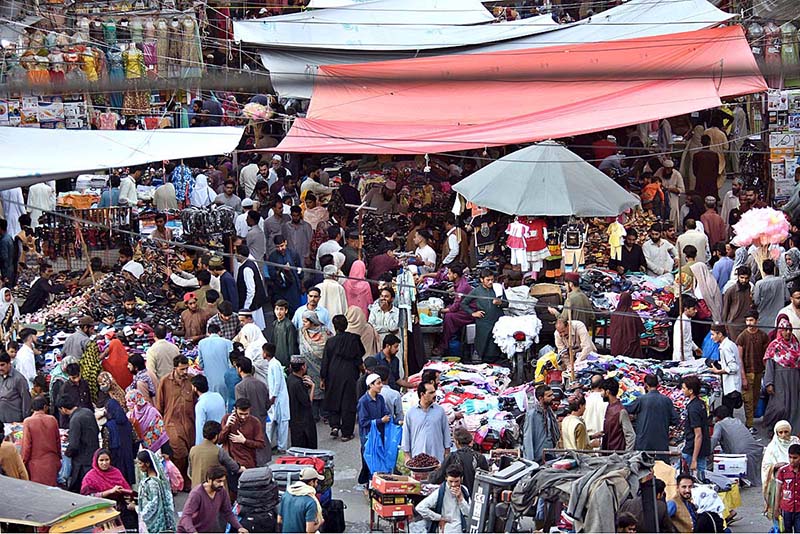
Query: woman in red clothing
(115, 359)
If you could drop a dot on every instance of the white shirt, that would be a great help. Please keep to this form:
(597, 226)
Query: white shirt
(729, 360)
(595, 413)
(452, 243)
(428, 255)
(689, 345)
(287, 210)
(240, 225)
(660, 258)
(248, 177)
(127, 190)
(330, 246)
(25, 363)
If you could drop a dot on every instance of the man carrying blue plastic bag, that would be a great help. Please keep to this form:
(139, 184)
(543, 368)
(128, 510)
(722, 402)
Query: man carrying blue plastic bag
(379, 437)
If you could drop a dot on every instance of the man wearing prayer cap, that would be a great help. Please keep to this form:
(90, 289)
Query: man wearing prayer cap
(371, 407)
(714, 226)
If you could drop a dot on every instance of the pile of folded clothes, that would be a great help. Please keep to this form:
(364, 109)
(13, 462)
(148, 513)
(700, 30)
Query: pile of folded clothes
(478, 398)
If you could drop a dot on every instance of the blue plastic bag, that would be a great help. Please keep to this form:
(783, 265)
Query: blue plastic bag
(710, 348)
(374, 450)
(65, 471)
(380, 451)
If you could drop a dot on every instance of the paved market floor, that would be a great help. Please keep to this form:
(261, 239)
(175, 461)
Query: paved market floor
(348, 464)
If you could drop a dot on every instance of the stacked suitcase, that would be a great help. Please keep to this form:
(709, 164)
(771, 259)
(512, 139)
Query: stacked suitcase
(258, 500)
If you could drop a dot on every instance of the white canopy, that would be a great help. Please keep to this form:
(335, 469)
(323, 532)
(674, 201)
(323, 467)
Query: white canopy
(292, 69)
(545, 179)
(317, 4)
(31, 155)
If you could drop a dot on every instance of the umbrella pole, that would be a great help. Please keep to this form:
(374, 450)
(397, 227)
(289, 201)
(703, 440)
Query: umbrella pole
(680, 302)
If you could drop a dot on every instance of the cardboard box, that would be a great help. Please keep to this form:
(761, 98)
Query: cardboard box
(395, 484)
(393, 510)
(730, 465)
(388, 498)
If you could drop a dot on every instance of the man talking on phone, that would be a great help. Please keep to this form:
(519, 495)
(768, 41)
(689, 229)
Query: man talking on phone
(302, 428)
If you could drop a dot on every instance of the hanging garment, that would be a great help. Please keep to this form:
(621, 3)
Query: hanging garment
(755, 36)
(191, 53)
(89, 65)
(108, 121)
(515, 241)
(150, 51)
(116, 72)
(110, 32)
(162, 46)
(137, 31)
(82, 32)
(57, 67)
(174, 52)
(789, 55)
(149, 29)
(772, 55)
(616, 235)
(123, 31)
(133, 59)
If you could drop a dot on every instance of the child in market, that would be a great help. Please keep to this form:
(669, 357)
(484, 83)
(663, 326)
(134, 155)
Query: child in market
(652, 195)
(789, 479)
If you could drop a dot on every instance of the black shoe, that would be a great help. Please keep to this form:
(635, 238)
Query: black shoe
(334, 432)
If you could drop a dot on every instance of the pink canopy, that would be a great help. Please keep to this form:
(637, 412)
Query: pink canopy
(451, 103)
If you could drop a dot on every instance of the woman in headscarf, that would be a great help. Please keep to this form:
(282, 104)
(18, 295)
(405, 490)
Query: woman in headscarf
(58, 376)
(694, 144)
(155, 507)
(790, 267)
(782, 375)
(313, 336)
(357, 290)
(252, 340)
(9, 312)
(626, 329)
(776, 452)
(202, 194)
(146, 420)
(118, 431)
(115, 359)
(357, 324)
(107, 482)
(707, 289)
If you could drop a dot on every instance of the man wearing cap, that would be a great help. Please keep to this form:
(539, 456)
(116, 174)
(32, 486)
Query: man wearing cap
(714, 226)
(341, 359)
(193, 319)
(285, 281)
(129, 265)
(277, 163)
(384, 198)
(250, 286)
(673, 185)
(350, 250)
(300, 387)
(77, 341)
(300, 510)
(371, 407)
(706, 165)
(240, 222)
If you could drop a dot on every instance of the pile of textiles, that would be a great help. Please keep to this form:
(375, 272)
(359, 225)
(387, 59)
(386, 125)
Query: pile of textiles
(480, 394)
(649, 294)
(630, 373)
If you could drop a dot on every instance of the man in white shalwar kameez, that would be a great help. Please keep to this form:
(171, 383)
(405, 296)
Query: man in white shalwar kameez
(278, 425)
(332, 295)
(41, 198)
(13, 207)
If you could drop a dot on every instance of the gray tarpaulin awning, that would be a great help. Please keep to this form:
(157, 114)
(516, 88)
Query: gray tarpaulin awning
(545, 179)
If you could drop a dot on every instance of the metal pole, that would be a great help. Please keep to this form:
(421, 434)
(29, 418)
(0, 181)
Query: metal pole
(680, 302)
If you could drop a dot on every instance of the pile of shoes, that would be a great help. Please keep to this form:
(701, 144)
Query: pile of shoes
(258, 500)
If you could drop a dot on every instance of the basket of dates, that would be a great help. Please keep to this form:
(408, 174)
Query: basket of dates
(422, 465)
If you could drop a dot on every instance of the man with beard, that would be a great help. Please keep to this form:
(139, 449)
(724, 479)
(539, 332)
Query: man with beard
(730, 201)
(632, 259)
(207, 503)
(488, 310)
(737, 301)
(660, 255)
(383, 199)
(541, 426)
(618, 433)
(175, 402)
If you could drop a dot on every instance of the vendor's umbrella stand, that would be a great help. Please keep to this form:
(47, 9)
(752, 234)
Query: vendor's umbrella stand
(545, 179)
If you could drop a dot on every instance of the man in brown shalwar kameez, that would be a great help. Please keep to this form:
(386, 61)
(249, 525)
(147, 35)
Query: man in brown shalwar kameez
(175, 401)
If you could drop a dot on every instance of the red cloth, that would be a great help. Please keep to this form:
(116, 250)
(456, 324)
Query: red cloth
(117, 363)
(448, 112)
(790, 491)
(603, 148)
(97, 481)
(41, 448)
(534, 240)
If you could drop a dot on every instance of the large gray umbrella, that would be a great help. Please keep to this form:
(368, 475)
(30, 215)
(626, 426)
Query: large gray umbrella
(545, 179)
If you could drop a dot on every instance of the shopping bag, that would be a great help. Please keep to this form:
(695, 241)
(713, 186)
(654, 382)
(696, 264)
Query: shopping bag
(392, 436)
(761, 405)
(374, 450)
(65, 471)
